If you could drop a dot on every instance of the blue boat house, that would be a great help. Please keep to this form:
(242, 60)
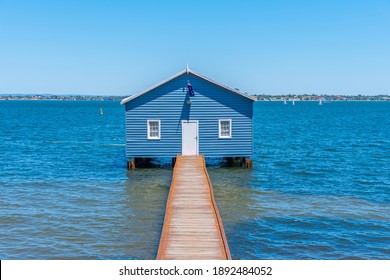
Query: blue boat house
(189, 114)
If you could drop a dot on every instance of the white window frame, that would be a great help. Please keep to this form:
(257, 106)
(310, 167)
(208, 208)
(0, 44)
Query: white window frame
(220, 130)
(148, 130)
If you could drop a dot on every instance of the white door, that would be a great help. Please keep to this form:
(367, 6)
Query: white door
(189, 136)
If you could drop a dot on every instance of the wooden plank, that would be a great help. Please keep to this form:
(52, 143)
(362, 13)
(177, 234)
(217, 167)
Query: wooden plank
(192, 225)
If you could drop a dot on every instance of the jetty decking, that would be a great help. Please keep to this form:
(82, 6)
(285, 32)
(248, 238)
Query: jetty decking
(192, 227)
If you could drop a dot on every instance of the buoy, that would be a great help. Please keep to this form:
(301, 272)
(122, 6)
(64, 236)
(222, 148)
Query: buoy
(101, 111)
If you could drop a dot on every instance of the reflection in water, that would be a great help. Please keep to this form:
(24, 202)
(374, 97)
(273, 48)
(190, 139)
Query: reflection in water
(145, 198)
(236, 203)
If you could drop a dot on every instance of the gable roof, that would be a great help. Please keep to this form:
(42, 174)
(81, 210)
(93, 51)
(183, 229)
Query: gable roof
(187, 71)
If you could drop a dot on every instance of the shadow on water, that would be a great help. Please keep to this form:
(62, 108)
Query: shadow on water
(235, 200)
(144, 200)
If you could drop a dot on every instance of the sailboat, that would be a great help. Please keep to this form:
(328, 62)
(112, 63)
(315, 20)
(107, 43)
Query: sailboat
(320, 103)
(293, 102)
(284, 102)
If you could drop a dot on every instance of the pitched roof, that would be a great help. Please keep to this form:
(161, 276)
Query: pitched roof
(187, 71)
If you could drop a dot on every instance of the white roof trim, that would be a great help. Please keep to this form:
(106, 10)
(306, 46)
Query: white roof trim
(187, 71)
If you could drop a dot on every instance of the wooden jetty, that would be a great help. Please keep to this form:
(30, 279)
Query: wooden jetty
(193, 228)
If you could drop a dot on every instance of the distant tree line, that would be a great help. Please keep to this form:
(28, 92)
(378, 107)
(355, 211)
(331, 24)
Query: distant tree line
(261, 97)
(60, 97)
(323, 97)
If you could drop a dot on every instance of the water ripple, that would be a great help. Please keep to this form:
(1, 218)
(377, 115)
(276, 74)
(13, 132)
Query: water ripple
(319, 188)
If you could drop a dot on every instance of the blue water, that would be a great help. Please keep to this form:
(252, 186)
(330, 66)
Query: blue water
(319, 188)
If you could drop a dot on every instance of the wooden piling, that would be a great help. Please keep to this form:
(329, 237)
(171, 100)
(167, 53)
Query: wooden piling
(131, 164)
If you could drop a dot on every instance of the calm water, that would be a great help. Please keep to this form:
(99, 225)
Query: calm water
(319, 189)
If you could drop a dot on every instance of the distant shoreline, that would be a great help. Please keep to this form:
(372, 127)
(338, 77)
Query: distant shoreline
(329, 100)
(323, 98)
(265, 98)
(61, 97)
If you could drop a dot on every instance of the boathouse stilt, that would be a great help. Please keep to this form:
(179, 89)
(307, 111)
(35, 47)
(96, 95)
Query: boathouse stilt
(248, 162)
(238, 162)
(131, 164)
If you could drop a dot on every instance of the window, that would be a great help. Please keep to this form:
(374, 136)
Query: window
(225, 128)
(153, 129)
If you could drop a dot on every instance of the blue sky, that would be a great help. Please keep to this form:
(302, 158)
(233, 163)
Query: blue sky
(261, 47)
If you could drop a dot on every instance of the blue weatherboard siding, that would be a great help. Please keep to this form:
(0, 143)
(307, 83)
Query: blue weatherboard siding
(167, 103)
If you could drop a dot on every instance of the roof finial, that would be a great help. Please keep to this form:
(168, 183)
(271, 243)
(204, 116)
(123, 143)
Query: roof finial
(187, 68)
